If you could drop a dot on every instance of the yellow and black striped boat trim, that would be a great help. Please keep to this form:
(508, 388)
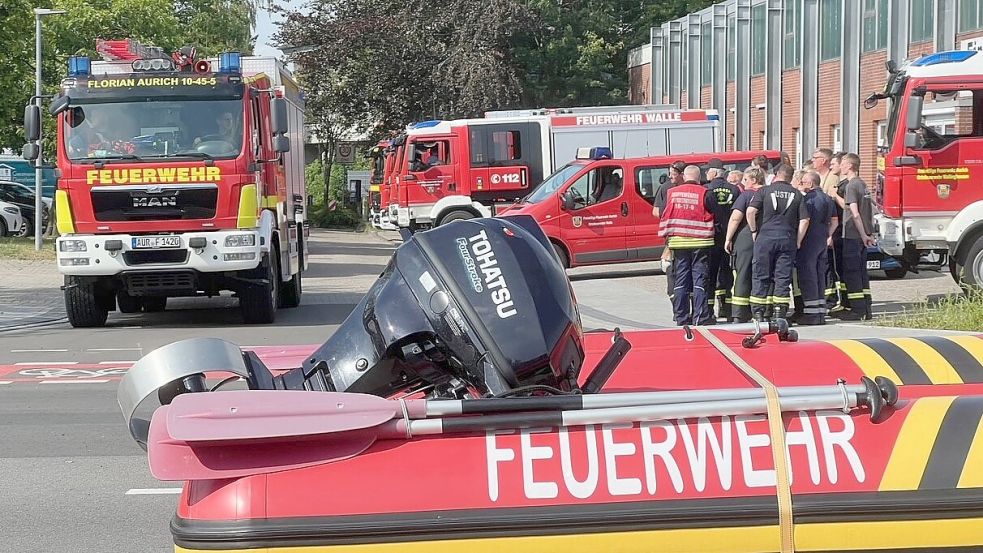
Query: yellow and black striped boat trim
(924, 360)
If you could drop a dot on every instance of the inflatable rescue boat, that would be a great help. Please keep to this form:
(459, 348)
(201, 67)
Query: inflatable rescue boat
(461, 407)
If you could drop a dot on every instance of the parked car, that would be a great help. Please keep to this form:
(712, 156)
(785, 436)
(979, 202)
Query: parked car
(10, 218)
(23, 197)
(877, 260)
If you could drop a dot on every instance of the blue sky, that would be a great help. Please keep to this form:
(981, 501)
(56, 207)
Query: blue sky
(265, 27)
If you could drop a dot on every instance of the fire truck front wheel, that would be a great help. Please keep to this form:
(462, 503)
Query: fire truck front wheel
(456, 215)
(86, 302)
(258, 302)
(970, 267)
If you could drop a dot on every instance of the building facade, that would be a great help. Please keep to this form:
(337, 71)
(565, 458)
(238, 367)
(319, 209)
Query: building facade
(793, 74)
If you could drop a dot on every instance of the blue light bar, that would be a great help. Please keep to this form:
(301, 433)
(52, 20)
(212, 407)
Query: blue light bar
(79, 66)
(425, 124)
(598, 152)
(952, 56)
(230, 62)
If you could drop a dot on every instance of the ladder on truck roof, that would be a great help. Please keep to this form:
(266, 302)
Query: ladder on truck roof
(632, 108)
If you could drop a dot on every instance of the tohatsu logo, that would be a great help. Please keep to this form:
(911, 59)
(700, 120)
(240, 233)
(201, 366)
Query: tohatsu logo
(494, 280)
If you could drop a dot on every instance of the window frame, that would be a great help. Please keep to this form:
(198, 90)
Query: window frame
(791, 42)
(923, 12)
(706, 53)
(830, 49)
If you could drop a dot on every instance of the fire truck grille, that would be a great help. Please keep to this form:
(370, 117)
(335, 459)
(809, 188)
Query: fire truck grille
(152, 283)
(155, 256)
(153, 203)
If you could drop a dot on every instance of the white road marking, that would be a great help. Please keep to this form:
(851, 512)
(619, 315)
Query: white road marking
(116, 362)
(2, 382)
(47, 363)
(152, 491)
(79, 381)
(37, 350)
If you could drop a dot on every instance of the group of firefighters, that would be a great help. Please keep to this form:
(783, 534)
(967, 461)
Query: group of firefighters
(746, 242)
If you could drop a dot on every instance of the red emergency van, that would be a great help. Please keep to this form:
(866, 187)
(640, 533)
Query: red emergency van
(599, 210)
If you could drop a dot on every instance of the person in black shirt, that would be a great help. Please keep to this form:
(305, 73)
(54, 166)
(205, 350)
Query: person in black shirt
(741, 246)
(724, 195)
(784, 222)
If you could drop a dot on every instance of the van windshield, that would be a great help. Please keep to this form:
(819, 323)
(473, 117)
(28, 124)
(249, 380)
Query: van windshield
(553, 182)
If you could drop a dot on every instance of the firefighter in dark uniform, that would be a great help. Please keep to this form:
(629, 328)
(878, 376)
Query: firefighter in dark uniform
(857, 237)
(675, 178)
(811, 259)
(834, 187)
(783, 226)
(687, 224)
(724, 194)
(740, 246)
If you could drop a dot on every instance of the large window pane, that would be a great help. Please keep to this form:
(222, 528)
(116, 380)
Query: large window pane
(874, 25)
(759, 33)
(969, 15)
(706, 52)
(882, 24)
(731, 47)
(922, 20)
(830, 27)
(793, 23)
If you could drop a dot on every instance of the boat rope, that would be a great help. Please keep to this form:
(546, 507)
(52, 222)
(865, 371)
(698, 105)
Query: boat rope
(776, 429)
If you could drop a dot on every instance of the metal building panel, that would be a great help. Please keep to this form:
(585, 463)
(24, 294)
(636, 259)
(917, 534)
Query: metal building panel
(809, 99)
(850, 75)
(742, 116)
(773, 75)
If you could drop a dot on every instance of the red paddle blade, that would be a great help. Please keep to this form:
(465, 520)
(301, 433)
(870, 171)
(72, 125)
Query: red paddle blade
(273, 414)
(175, 460)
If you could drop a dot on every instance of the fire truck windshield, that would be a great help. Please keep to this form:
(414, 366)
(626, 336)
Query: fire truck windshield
(155, 129)
(553, 182)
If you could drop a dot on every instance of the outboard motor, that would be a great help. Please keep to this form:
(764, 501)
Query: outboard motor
(472, 308)
(475, 308)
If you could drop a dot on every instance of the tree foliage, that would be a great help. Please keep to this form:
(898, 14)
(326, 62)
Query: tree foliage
(211, 25)
(375, 65)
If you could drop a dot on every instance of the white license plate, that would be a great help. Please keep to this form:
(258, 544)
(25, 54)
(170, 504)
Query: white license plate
(874, 264)
(156, 242)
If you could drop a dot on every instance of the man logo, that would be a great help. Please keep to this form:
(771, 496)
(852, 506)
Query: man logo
(577, 221)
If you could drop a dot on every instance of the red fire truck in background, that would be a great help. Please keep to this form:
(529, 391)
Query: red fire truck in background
(930, 176)
(179, 176)
(450, 170)
(381, 173)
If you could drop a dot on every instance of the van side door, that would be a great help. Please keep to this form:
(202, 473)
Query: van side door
(594, 221)
(644, 242)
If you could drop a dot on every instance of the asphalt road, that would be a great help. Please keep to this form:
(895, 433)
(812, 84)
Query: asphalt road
(72, 480)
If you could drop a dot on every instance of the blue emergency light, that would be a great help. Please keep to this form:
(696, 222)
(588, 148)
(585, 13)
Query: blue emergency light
(230, 62)
(952, 56)
(79, 66)
(425, 124)
(597, 152)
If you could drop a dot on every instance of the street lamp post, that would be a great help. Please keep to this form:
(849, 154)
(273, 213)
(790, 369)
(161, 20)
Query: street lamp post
(38, 229)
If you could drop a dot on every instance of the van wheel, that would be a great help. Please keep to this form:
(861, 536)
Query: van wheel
(564, 259)
(895, 274)
(456, 215)
(26, 229)
(154, 304)
(128, 303)
(3, 227)
(84, 304)
(258, 302)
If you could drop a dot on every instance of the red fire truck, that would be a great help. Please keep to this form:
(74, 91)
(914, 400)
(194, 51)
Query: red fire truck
(599, 210)
(930, 170)
(179, 176)
(451, 170)
(382, 163)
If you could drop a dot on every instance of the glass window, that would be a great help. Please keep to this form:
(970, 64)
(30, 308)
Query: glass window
(922, 20)
(759, 34)
(648, 180)
(731, 47)
(706, 53)
(874, 25)
(553, 183)
(837, 133)
(425, 155)
(683, 67)
(600, 185)
(831, 28)
(505, 146)
(970, 15)
(793, 22)
(937, 132)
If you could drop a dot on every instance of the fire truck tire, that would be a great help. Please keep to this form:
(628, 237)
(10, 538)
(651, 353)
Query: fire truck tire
(128, 303)
(971, 267)
(456, 215)
(85, 307)
(291, 291)
(257, 302)
(562, 254)
(154, 304)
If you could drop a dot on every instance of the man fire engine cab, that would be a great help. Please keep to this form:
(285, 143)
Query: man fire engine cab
(930, 169)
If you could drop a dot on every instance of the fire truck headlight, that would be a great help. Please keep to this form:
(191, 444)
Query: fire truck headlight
(72, 246)
(74, 261)
(240, 240)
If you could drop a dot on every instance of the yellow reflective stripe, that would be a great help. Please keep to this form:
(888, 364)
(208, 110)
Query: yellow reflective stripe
(63, 213)
(683, 242)
(972, 475)
(972, 344)
(778, 300)
(248, 210)
(855, 296)
(872, 364)
(915, 441)
(938, 370)
(756, 300)
(737, 300)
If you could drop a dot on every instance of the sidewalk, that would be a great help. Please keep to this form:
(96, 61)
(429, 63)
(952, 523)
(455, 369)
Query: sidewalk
(30, 294)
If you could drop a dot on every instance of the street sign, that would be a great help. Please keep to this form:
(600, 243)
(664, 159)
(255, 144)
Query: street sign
(345, 153)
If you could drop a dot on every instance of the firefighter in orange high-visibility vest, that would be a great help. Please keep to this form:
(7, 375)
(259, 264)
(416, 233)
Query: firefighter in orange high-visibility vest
(687, 223)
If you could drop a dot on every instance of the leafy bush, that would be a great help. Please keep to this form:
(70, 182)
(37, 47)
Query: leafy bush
(339, 217)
